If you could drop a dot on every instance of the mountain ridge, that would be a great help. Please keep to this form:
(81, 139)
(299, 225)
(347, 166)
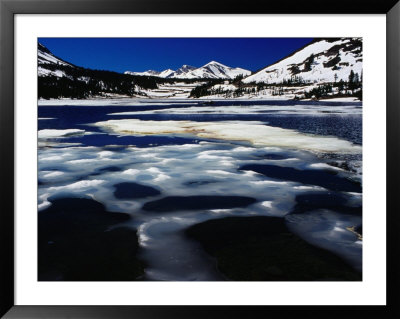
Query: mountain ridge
(317, 61)
(211, 70)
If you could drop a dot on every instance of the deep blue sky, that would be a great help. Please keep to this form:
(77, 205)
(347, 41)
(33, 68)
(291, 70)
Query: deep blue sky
(141, 54)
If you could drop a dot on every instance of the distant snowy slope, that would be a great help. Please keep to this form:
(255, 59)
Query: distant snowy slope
(145, 73)
(324, 60)
(163, 74)
(166, 73)
(212, 70)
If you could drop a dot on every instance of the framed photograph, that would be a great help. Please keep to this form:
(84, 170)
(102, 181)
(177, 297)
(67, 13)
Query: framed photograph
(164, 159)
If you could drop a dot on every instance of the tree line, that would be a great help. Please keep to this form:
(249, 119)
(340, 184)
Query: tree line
(351, 87)
(81, 83)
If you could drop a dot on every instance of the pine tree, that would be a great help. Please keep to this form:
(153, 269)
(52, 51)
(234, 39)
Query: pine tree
(340, 86)
(351, 84)
(351, 76)
(356, 78)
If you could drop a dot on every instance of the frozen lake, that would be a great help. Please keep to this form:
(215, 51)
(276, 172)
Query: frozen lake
(171, 165)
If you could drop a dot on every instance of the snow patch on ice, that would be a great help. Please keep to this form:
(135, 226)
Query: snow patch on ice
(53, 174)
(79, 185)
(52, 133)
(254, 132)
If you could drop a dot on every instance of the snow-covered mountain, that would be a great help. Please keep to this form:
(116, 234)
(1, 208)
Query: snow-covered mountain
(47, 63)
(184, 69)
(323, 60)
(214, 70)
(211, 70)
(46, 57)
(166, 73)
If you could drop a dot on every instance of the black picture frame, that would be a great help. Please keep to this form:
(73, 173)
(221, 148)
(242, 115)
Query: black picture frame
(9, 8)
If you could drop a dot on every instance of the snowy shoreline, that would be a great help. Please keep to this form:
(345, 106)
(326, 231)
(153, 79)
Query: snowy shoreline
(134, 101)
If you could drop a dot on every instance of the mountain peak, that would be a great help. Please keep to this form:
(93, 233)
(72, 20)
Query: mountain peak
(42, 48)
(46, 57)
(322, 60)
(215, 63)
(185, 69)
